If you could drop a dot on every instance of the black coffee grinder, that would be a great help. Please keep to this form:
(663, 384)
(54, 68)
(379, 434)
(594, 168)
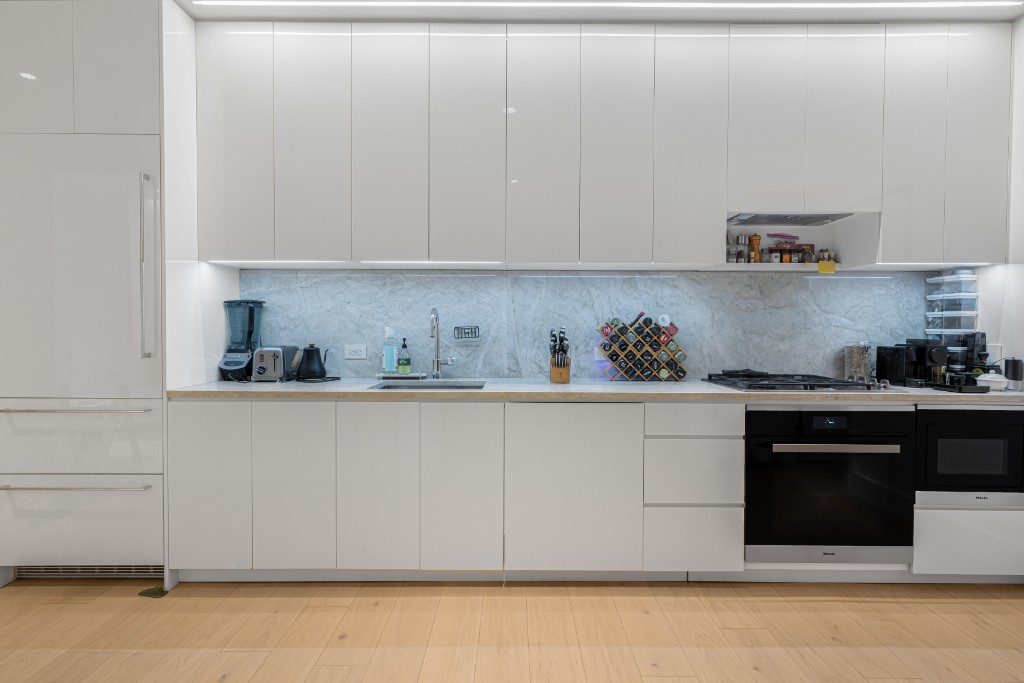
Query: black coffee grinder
(244, 318)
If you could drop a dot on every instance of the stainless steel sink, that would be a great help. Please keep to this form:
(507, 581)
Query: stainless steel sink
(430, 384)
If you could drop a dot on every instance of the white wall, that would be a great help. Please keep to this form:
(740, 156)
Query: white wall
(1002, 287)
(196, 325)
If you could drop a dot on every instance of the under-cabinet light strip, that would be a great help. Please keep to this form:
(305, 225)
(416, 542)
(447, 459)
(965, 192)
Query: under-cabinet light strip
(559, 4)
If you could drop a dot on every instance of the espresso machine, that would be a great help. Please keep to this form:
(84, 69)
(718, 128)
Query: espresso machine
(244, 318)
(917, 363)
(976, 356)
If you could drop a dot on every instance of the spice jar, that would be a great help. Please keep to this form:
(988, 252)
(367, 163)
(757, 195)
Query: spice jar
(786, 257)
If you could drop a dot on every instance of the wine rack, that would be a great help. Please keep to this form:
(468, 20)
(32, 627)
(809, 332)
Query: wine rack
(642, 352)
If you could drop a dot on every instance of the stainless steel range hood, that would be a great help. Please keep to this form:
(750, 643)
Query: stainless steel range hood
(781, 220)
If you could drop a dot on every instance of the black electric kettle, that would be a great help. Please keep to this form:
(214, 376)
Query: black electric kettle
(312, 365)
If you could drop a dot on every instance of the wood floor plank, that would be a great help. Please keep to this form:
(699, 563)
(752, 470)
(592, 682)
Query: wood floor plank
(265, 628)
(295, 655)
(554, 647)
(451, 650)
(399, 654)
(764, 658)
(726, 608)
(236, 666)
(503, 650)
(932, 664)
(654, 644)
(70, 666)
(335, 595)
(353, 642)
(336, 674)
(604, 646)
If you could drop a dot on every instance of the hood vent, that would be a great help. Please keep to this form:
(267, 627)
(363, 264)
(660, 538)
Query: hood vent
(800, 220)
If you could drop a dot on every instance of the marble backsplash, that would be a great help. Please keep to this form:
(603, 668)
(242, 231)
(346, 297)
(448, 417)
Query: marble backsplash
(779, 322)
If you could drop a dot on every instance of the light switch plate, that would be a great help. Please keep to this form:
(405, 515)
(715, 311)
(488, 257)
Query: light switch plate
(355, 351)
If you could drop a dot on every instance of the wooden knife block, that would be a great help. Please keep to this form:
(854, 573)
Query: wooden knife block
(560, 375)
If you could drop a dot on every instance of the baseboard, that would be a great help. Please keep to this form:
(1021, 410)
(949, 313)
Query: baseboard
(843, 575)
(216, 575)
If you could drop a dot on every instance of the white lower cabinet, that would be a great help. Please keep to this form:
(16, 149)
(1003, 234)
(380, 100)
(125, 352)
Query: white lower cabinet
(693, 471)
(574, 486)
(293, 485)
(693, 539)
(108, 519)
(962, 541)
(461, 456)
(81, 436)
(209, 469)
(378, 485)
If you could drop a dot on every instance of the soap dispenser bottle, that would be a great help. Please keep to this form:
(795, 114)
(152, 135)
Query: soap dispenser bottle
(389, 352)
(404, 360)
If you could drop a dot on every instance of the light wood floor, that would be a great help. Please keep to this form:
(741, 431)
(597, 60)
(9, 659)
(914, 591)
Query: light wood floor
(85, 631)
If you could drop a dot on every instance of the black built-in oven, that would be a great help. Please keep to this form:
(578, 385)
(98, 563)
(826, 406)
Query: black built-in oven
(970, 450)
(830, 485)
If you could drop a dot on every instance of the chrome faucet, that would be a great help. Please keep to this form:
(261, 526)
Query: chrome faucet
(435, 332)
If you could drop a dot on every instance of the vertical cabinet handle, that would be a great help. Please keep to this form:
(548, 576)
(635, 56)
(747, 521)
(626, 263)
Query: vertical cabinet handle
(143, 180)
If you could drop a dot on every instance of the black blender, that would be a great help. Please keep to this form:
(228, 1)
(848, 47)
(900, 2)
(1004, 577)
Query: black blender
(244, 317)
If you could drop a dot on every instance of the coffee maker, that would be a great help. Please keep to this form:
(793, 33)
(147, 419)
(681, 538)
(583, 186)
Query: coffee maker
(244, 319)
(917, 363)
(976, 355)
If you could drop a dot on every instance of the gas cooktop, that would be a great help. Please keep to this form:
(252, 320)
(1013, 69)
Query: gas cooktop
(752, 380)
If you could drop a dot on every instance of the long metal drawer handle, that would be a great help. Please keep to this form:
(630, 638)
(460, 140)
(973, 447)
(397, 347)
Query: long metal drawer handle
(72, 411)
(73, 488)
(863, 449)
(143, 179)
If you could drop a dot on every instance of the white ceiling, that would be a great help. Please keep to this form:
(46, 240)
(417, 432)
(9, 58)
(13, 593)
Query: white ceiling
(595, 14)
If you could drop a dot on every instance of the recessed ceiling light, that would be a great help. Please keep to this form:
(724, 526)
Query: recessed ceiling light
(616, 4)
(26, 76)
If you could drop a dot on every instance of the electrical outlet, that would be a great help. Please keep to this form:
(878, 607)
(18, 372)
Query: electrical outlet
(355, 351)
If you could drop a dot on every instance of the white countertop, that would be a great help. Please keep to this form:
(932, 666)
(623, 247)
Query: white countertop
(505, 389)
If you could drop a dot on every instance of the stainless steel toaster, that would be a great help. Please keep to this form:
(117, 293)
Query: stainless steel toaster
(275, 363)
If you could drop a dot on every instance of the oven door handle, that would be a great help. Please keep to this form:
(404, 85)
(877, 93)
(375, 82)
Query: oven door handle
(846, 448)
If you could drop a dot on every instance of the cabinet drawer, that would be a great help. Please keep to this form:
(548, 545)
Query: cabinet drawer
(969, 542)
(693, 471)
(81, 519)
(80, 436)
(694, 419)
(693, 539)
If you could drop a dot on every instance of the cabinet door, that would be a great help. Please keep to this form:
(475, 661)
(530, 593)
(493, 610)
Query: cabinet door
(543, 212)
(36, 67)
(461, 461)
(235, 112)
(209, 470)
(845, 92)
(617, 144)
(767, 108)
(313, 142)
(691, 130)
(378, 486)
(80, 266)
(914, 152)
(977, 143)
(293, 485)
(574, 486)
(978, 542)
(467, 142)
(82, 519)
(117, 66)
(695, 539)
(693, 471)
(390, 110)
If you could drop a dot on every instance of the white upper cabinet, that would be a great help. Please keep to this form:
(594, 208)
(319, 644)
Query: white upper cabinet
(80, 265)
(617, 144)
(117, 66)
(36, 67)
(691, 114)
(312, 141)
(914, 167)
(390, 141)
(235, 110)
(845, 92)
(767, 114)
(977, 143)
(543, 211)
(467, 142)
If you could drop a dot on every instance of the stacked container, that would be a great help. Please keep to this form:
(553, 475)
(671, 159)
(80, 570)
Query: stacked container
(952, 308)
